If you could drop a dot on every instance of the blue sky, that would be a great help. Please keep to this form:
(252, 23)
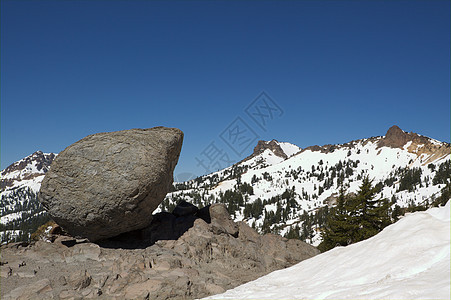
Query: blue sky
(337, 71)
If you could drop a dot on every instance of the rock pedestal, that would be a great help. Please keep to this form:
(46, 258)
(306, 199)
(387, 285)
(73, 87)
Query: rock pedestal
(189, 258)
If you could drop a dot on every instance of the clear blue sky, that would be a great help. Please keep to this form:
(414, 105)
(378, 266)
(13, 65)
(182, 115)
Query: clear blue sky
(337, 70)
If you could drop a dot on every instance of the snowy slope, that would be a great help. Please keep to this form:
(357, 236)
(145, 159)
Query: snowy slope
(289, 149)
(407, 260)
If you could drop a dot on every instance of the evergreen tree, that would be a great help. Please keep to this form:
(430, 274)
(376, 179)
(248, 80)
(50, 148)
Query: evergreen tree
(339, 226)
(371, 215)
(293, 233)
(355, 219)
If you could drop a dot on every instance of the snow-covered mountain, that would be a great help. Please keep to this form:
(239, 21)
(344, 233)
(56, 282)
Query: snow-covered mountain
(19, 209)
(278, 190)
(407, 260)
(28, 171)
(268, 153)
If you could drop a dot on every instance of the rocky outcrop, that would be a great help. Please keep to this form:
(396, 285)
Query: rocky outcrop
(397, 138)
(418, 144)
(272, 145)
(110, 183)
(207, 258)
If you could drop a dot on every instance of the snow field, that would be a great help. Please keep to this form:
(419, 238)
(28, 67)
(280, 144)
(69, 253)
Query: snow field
(407, 260)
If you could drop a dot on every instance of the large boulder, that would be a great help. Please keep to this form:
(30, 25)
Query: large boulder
(110, 183)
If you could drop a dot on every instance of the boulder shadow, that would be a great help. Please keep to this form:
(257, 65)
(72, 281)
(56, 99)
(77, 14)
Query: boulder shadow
(164, 226)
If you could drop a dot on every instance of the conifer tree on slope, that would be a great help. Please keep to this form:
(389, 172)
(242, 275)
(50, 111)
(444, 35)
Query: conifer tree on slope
(370, 216)
(355, 219)
(339, 226)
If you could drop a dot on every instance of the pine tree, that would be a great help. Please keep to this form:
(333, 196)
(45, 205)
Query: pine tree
(370, 215)
(339, 227)
(355, 219)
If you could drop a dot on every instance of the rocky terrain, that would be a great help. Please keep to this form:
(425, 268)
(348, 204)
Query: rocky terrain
(186, 254)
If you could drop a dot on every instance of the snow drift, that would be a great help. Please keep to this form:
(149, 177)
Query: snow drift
(407, 260)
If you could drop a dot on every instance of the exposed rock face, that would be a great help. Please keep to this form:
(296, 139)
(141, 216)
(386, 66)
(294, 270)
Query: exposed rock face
(110, 183)
(419, 144)
(272, 145)
(396, 137)
(206, 259)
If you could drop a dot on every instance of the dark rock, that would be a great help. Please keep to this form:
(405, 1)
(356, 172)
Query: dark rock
(110, 183)
(161, 228)
(184, 208)
(182, 224)
(272, 145)
(57, 230)
(204, 214)
(397, 138)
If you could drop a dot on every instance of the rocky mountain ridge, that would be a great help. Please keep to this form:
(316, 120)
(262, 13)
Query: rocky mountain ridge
(396, 138)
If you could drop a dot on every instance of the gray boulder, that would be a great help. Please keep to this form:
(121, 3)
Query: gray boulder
(110, 183)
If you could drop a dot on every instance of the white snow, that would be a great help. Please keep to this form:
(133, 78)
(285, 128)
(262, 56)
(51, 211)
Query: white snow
(407, 260)
(10, 217)
(289, 149)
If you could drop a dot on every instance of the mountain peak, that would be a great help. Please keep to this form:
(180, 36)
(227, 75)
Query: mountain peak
(414, 143)
(34, 165)
(272, 145)
(396, 137)
(394, 131)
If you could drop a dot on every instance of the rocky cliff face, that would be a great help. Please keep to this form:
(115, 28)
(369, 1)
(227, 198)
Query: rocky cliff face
(272, 145)
(207, 258)
(414, 143)
(397, 138)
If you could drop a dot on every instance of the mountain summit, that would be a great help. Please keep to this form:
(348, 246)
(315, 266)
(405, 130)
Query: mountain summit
(22, 172)
(397, 138)
(414, 143)
(283, 150)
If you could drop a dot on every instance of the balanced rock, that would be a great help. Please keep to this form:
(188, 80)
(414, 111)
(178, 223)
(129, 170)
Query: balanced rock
(110, 183)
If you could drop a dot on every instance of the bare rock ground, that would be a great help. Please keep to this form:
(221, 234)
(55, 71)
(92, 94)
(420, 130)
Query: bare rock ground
(206, 259)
